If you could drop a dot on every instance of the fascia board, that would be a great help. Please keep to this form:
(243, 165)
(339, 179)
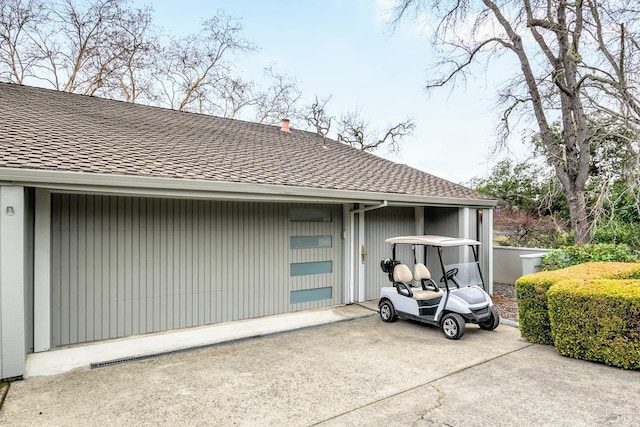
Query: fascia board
(196, 188)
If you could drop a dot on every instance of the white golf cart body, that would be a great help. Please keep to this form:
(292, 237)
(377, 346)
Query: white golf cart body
(416, 296)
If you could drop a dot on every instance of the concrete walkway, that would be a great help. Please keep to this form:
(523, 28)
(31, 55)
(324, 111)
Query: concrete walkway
(359, 372)
(142, 346)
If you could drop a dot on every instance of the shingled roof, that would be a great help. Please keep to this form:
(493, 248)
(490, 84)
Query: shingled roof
(46, 130)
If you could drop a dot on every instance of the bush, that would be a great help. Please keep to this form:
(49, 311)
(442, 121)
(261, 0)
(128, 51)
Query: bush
(579, 254)
(533, 317)
(597, 320)
(619, 232)
(531, 293)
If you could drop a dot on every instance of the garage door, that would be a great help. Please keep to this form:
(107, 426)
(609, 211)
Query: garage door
(124, 265)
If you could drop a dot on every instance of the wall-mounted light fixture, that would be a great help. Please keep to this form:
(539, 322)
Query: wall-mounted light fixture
(10, 211)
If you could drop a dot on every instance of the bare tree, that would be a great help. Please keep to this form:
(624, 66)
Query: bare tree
(196, 73)
(354, 130)
(85, 45)
(19, 19)
(136, 41)
(108, 48)
(275, 97)
(317, 117)
(279, 99)
(575, 58)
(100, 47)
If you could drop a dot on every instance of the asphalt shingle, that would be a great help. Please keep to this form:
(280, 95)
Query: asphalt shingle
(42, 129)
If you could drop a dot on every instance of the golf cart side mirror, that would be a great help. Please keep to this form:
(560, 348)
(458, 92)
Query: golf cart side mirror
(387, 265)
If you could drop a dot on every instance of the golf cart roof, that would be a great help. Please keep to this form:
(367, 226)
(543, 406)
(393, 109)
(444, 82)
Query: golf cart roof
(441, 241)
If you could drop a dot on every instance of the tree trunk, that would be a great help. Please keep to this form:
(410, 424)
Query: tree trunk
(578, 214)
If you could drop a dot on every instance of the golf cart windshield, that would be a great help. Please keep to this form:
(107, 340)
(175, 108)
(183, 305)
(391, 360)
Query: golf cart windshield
(466, 273)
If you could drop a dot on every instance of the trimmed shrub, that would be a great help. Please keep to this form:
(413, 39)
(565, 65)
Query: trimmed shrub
(531, 293)
(533, 317)
(597, 320)
(579, 254)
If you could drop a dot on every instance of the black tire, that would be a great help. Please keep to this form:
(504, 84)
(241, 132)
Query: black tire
(388, 312)
(492, 323)
(452, 326)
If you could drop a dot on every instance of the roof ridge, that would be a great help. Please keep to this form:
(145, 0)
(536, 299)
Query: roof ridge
(140, 104)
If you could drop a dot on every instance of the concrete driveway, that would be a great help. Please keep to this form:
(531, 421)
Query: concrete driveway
(358, 372)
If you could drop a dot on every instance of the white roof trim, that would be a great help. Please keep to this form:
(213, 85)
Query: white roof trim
(198, 188)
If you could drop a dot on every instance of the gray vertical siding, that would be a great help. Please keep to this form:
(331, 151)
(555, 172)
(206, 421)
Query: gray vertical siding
(125, 265)
(441, 221)
(380, 224)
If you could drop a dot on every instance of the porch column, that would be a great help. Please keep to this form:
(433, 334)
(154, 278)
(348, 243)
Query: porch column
(485, 217)
(464, 226)
(12, 281)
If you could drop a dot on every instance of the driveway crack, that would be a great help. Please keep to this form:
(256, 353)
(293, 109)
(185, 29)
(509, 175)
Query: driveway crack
(429, 383)
(428, 411)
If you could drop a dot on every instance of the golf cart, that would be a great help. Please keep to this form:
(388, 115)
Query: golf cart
(458, 298)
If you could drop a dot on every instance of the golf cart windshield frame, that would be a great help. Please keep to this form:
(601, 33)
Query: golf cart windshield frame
(438, 242)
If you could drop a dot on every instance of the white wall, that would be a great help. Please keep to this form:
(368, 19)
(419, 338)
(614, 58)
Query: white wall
(508, 264)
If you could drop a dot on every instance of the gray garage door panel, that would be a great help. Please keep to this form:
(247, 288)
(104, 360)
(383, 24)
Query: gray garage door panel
(124, 265)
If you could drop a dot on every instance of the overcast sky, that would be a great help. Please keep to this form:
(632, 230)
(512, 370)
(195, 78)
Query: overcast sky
(344, 48)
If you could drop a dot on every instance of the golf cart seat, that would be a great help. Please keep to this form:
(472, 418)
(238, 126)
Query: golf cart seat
(403, 277)
(402, 274)
(423, 295)
(422, 274)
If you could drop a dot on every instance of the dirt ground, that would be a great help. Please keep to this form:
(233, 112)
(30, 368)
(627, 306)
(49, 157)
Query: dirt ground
(504, 299)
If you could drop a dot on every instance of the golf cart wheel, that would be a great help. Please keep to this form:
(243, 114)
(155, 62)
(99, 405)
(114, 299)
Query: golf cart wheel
(453, 326)
(387, 312)
(492, 322)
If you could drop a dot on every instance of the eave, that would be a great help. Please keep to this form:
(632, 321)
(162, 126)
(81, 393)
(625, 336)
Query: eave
(130, 185)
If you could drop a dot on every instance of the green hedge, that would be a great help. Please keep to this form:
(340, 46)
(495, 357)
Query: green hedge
(580, 254)
(531, 293)
(597, 320)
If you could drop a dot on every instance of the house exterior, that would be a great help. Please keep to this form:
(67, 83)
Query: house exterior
(119, 219)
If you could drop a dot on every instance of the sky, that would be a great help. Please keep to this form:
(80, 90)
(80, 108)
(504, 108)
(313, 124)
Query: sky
(346, 49)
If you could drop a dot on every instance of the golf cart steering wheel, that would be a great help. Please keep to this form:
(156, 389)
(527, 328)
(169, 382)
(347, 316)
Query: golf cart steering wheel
(449, 274)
